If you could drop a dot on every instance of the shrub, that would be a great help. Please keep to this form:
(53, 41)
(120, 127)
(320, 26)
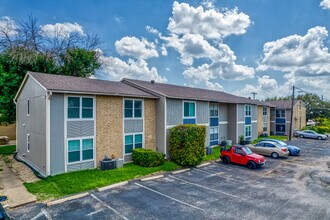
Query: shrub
(147, 158)
(187, 144)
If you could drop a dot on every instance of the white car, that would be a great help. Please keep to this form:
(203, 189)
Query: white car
(310, 134)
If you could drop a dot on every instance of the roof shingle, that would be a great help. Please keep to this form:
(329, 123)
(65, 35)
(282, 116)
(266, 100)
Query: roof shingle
(283, 104)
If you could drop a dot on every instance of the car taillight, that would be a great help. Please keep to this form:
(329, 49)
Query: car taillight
(283, 149)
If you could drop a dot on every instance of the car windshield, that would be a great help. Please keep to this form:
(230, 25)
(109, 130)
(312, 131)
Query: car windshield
(247, 150)
(282, 143)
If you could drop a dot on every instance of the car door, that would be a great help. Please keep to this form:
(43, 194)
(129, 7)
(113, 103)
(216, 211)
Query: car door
(257, 148)
(239, 156)
(269, 148)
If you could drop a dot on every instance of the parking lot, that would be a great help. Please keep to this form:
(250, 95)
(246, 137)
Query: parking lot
(293, 188)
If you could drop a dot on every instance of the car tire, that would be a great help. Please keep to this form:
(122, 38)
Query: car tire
(319, 138)
(301, 136)
(226, 160)
(274, 155)
(290, 154)
(251, 165)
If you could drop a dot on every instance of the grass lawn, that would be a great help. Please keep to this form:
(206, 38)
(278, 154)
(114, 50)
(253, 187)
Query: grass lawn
(215, 154)
(79, 181)
(282, 138)
(7, 149)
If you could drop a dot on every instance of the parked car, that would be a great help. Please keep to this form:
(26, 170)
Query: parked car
(310, 123)
(310, 134)
(242, 155)
(293, 150)
(270, 148)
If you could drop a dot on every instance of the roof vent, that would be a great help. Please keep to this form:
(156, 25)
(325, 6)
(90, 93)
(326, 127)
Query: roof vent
(152, 81)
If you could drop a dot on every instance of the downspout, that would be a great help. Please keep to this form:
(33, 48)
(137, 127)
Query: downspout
(49, 95)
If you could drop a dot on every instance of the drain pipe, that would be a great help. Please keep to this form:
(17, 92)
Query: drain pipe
(35, 172)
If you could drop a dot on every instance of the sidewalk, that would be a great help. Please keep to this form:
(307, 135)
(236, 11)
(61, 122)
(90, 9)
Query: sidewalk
(13, 188)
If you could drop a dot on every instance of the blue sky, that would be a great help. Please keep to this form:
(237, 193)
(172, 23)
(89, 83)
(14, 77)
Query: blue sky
(242, 46)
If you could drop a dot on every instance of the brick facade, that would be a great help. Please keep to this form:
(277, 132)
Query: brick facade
(109, 127)
(150, 123)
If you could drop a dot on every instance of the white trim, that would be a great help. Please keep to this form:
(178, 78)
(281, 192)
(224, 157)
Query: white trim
(272, 121)
(223, 122)
(94, 114)
(241, 122)
(80, 149)
(28, 142)
(123, 128)
(254, 121)
(65, 132)
(165, 129)
(48, 133)
(189, 117)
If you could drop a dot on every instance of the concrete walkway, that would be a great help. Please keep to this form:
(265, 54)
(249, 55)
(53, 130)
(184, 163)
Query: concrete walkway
(13, 188)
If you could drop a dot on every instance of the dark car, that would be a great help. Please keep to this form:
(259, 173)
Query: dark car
(293, 150)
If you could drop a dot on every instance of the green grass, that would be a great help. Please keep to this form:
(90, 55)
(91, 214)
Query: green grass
(282, 138)
(8, 149)
(215, 154)
(79, 181)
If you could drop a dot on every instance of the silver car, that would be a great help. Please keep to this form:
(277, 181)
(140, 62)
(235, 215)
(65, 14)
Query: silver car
(310, 134)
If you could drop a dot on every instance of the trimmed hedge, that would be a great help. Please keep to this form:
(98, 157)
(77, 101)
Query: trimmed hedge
(147, 158)
(187, 144)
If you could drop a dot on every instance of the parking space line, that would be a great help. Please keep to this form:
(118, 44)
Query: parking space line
(46, 214)
(109, 207)
(204, 187)
(95, 212)
(37, 216)
(218, 174)
(169, 197)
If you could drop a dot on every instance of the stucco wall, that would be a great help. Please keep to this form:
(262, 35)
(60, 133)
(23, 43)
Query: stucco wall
(109, 127)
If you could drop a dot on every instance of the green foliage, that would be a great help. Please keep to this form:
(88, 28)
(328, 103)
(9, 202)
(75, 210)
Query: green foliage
(215, 154)
(322, 127)
(8, 149)
(79, 181)
(277, 137)
(186, 144)
(147, 157)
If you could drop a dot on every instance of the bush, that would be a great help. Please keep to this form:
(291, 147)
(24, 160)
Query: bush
(147, 158)
(187, 144)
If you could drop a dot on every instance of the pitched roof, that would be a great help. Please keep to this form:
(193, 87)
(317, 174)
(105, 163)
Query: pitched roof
(184, 92)
(283, 104)
(61, 83)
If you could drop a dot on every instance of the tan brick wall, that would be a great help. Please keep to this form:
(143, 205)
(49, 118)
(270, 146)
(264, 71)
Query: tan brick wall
(9, 131)
(150, 123)
(109, 127)
(299, 116)
(260, 120)
(268, 120)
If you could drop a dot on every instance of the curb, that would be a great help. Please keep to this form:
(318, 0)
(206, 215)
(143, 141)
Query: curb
(152, 178)
(204, 164)
(180, 171)
(21, 204)
(58, 201)
(112, 186)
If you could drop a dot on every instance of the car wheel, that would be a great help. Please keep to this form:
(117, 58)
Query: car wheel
(226, 160)
(274, 155)
(251, 165)
(301, 136)
(290, 153)
(319, 138)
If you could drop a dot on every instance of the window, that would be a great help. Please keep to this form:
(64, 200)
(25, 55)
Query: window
(247, 110)
(80, 150)
(28, 142)
(264, 111)
(133, 108)
(248, 131)
(214, 133)
(214, 112)
(28, 107)
(189, 109)
(239, 151)
(280, 128)
(260, 144)
(80, 108)
(133, 141)
(280, 113)
(264, 126)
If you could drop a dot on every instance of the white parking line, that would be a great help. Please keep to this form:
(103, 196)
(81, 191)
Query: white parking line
(37, 216)
(204, 187)
(210, 174)
(95, 212)
(169, 197)
(46, 214)
(109, 207)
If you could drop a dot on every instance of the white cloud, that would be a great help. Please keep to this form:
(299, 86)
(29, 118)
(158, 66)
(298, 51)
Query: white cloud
(118, 19)
(113, 68)
(325, 4)
(61, 29)
(136, 48)
(208, 3)
(210, 23)
(152, 30)
(7, 26)
(164, 50)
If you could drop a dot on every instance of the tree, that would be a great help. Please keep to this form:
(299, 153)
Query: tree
(24, 46)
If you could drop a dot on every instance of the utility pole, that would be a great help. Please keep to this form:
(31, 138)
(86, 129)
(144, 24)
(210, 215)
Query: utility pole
(254, 95)
(292, 104)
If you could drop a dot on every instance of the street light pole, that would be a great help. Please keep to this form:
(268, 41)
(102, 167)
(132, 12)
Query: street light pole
(292, 104)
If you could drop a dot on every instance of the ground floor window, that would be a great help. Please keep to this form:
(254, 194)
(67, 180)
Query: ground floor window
(133, 141)
(214, 133)
(280, 128)
(264, 128)
(247, 131)
(80, 150)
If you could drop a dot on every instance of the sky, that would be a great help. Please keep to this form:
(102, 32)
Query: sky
(236, 46)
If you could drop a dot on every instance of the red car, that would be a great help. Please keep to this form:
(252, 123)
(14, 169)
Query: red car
(242, 155)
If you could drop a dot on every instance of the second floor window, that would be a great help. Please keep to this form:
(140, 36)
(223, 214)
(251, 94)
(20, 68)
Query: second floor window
(247, 110)
(133, 108)
(280, 113)
(189, 109)
(80, 108)
(214, 112)
(264, 111)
